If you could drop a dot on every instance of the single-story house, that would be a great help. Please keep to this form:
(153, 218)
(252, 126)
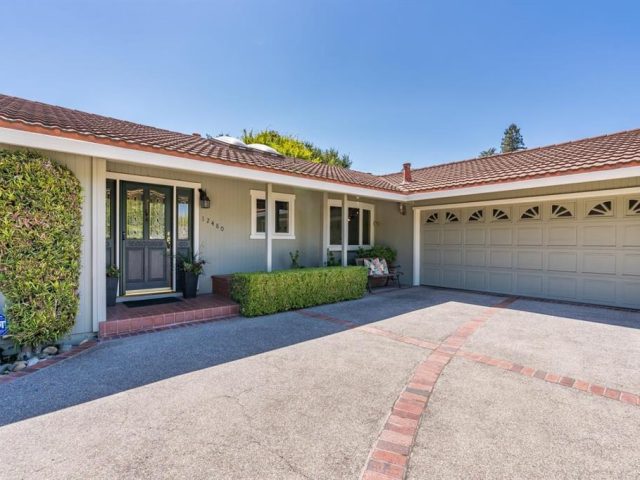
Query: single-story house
(558, 222)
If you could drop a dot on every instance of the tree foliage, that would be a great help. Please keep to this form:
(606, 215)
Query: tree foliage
(40, 245)
(512, 139)
(291, 146)
(488, 152)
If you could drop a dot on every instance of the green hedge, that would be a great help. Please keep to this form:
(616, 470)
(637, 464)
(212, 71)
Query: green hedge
(40, 244)
(264, 293)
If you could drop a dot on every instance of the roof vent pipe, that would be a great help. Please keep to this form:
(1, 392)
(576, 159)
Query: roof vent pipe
(406, 173)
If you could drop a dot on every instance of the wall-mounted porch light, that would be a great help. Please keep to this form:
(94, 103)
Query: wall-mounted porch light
(402, 208)
(205, 202)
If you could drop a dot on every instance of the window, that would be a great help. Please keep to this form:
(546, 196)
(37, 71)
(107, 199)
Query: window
(477, 216)
(450, 217)
(561, 211)
(633, 206)
(499, 215)
(603, 209)
(359, 224)
(433, 218)
(531, 213)
(184, 201)
(281, 207)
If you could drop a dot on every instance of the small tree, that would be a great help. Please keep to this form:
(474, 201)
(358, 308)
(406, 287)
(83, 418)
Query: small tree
(488, 152)
(40, 244)
(512, 139)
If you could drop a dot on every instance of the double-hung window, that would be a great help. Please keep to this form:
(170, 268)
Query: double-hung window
(282, 208)
(359, 224)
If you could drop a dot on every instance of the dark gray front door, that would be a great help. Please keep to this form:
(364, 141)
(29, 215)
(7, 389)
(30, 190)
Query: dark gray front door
(146, 236)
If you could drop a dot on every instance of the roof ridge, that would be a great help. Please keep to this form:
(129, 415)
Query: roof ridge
(506, 154)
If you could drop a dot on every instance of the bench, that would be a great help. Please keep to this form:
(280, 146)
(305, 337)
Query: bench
(392, 276)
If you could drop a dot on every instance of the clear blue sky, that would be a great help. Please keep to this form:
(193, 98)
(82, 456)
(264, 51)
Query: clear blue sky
(385, 81)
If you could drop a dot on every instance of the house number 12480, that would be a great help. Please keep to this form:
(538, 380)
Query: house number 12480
(212, 222)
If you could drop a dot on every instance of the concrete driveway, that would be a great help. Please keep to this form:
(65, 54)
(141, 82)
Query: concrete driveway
(417, 383)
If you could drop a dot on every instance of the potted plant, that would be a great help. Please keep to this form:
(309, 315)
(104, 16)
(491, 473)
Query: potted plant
(193, 267)
(113, 274)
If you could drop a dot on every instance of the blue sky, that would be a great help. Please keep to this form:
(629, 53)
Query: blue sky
(385, 81)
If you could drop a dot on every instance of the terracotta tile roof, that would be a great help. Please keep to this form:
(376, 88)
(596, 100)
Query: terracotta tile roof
(597, 153)
(132, 135)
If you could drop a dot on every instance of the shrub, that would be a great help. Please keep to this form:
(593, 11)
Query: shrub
(263, 293)
(379, 251)
(40, 242)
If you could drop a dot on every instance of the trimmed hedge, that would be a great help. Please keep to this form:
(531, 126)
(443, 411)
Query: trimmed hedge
(40, 245)
(263, 293)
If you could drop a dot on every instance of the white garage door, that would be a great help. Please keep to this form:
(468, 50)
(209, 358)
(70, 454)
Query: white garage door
(585, 250)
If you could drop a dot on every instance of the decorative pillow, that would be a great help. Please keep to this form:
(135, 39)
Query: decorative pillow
(378, 268)
(369, 264)
(385, 267)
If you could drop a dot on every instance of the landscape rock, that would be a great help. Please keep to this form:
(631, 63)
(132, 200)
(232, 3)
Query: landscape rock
(17, 366)
(5, 367)
(32, 361)
(50, 350)
(65, 347)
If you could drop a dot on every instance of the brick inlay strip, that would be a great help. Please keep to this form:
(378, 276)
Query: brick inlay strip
(74, 351)
(582, 385)
(390, 454)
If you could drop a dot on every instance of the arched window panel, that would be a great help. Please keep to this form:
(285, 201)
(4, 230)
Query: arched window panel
(561, 211)
(601, 209)
(433, 218)
(477, 216)
(531, 213)
(633, 206)
(499, 215)
(451, 217)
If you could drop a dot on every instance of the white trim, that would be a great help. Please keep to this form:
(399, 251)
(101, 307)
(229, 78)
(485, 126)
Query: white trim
(98, 236)
(81, 147)
(174, 237)
(325, 228)
(275, 196)
(539, 198)
(269, 206)
(556, 180)
(333, 202)
(416, 247)
(153, 180)
(345, 230)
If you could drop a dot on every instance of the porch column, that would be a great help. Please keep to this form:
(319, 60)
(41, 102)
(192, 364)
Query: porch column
(325, 227)
(268, 227)
(416, 246)
(345, 230)
(98, 235)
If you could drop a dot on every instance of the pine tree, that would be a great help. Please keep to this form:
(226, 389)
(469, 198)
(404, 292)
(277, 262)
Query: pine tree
(512, 139)
(488, 152)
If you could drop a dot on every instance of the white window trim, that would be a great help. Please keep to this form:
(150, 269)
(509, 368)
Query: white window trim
(283, 197)
(359, 205)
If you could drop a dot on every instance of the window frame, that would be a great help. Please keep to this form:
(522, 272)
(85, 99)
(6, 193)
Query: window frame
(275, 197)
(334, 202)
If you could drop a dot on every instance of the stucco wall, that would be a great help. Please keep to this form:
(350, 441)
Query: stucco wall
(81, 166)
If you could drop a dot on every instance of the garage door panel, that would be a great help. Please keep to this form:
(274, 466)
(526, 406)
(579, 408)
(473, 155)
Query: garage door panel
(452, 237)
(500, 282)
(432, 256)
(431, 276)
(599, 290)
(530, 236)
(599, 236)
(600, 263)
(452, 257)
(631, 235)
(530, 285)
(432, 237)
(501, 236)
(631, 265)
(475, 258)
(475, 280)
(562, 287)
(629, 296)
(530, 259)
(562, 261)
(501, 258)
(562, 236)
(452, 278)
(475, 236)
